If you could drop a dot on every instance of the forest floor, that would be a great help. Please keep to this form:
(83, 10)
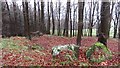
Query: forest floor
(18, 51)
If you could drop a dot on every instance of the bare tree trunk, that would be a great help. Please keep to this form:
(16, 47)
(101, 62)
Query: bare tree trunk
(59, 31)
(85, 34)
(24, 15)
(98, 23)
(105, 19)
(115, 29)
(80, 25)
(26, 20)
(89, 25)
(119, 30)
(11, 22)
(15, 20)
(92, 16)
(1, 20)
(39, 18)
(74, 18)
(70, 23)
(48, 24)
(20, 22)
(66, 27)
(53, 22)
(116, 23)
(35, 23)
(31, 17)
(42, 27)
(109, 24)
(3, 5)
(119, 22)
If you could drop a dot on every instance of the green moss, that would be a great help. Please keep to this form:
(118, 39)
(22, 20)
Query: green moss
(101, 58)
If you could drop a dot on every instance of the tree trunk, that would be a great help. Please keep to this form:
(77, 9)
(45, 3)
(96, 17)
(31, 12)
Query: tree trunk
(98, 21)
(89, 26)
(15, 20)
(66, 24)
(116, 19)
(119, 23)
(59, 31)
(3, 14)
(70, 23)
(53, 22)
(1, 20)
(26, 20)
(92, 16)
(85, 34)
(105, 19)
(80, 25)
(39, 18)
(119, 31)
(35, 23)
(48, 24)
(24, 15)
(10, 21)
(74, 18)
(42, 27)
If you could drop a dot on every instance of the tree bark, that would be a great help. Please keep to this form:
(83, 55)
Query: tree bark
(26, 20)
(3, 5)
(98, 21)
(80, 25)
(116, 22)
(85, 23)
(53, 22)
(15, 20)
(48, 24)
(10, 21)
(42, 27)
(105, 19)
(119, 31)
(35, 21)
(119, 23)
(70, 23)
(66, 24)
(59, 9)
(1, 20)
(24, 15)
(92, 16)
(74, 20)
(39, 18)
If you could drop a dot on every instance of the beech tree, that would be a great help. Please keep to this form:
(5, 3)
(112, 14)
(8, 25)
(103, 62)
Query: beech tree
(35, 20)
(119, 21)
(9, 29)
(63, 17)
(91, 16)
(116, 20)
(0, 21)
(119, 32)
(42, 27)
(71, 22)
(105, 18)
(80, 25)
(26, 20)
(39, 17)
(66, 24)
(48, 24)
(59, 9)
(53, 21)
(74, 19)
